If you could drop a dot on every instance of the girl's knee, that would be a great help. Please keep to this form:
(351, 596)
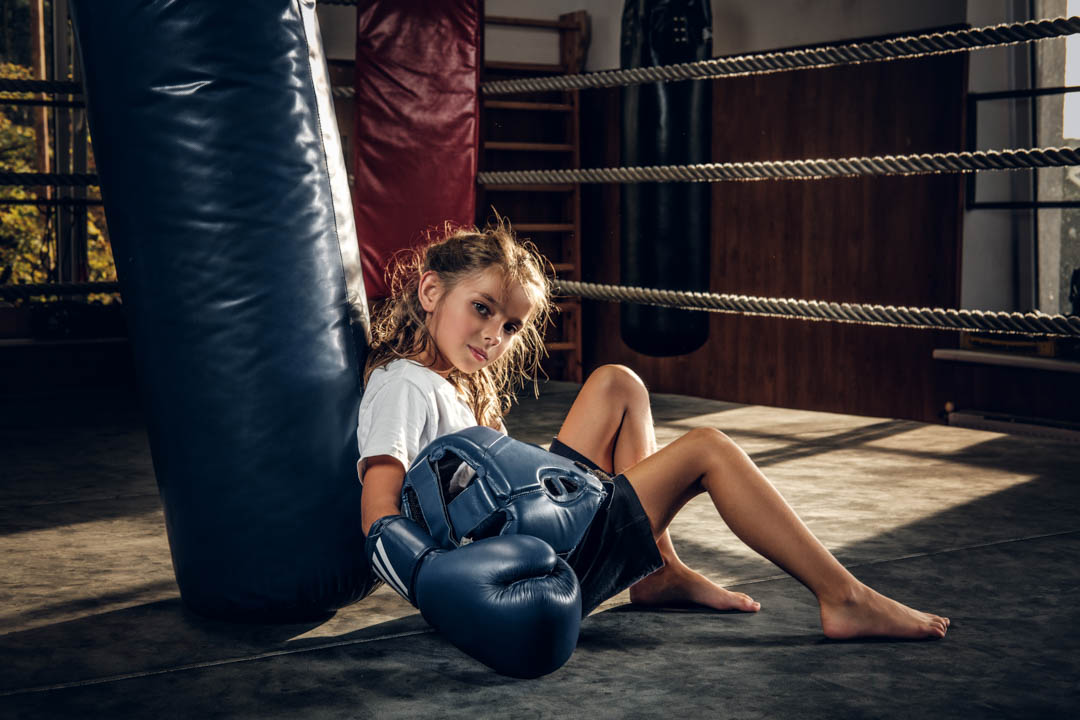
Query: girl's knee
(715, 452)
(618, 381)
(711, 442)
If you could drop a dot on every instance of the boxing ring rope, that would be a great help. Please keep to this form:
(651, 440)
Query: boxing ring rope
(913, 46)
(886, 315)
(1012, 159)
(855, 313)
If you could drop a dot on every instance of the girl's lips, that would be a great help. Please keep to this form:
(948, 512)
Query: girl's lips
(479, 355)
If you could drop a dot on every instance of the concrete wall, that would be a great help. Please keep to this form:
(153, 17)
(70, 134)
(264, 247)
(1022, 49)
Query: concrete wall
(338, 26)
(739, 26)
(524, 45)
(1058, 246)
(998, 244)
(504, 43)
(742, 26)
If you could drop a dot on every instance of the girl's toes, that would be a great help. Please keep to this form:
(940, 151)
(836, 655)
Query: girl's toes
(747, 603)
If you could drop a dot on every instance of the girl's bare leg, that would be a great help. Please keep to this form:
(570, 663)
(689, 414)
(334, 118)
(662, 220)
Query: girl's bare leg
(705, 460)
(611, 423)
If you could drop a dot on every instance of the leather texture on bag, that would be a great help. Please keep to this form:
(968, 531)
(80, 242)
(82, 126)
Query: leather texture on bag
(210, 150)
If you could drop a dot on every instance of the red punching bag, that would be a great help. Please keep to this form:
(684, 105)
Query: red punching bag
(417, 123)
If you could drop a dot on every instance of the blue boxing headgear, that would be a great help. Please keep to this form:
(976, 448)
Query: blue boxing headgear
(518, 489)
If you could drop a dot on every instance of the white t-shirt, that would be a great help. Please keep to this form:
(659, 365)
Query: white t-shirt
(406, 406)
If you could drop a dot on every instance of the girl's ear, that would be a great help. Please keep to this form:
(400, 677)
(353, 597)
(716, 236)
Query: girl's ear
(429, 290)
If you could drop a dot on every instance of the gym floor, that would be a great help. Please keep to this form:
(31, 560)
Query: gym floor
(982, 527)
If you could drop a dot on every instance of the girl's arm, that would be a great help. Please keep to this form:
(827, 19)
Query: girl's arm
(383, 477)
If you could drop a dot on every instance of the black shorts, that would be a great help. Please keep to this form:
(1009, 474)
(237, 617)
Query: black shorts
(618, 548)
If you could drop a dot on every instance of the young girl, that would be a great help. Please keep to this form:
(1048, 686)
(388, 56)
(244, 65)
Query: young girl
(464, 323)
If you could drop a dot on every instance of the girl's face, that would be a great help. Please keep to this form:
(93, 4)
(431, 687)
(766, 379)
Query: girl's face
(476, 321)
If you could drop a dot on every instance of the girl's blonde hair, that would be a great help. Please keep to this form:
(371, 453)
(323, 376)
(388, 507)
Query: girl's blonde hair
(399, 330)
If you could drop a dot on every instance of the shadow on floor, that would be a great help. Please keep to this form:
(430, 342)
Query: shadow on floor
(1004, 566)
(1004, 658)
(1047, 505)
(1012, 648)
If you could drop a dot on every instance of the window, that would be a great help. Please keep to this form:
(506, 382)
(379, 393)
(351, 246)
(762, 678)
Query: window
(1022, 230)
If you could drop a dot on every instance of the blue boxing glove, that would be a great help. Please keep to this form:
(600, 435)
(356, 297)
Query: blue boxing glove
(509, 601)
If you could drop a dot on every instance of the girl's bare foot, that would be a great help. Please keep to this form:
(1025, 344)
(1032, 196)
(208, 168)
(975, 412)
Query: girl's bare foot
(675, 585)
(865, 612)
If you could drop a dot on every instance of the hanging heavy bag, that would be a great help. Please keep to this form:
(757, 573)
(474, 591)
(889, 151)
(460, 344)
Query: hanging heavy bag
(664, 237)
(230, 221)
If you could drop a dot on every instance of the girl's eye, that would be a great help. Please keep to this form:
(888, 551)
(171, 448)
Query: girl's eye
(482, 309)
(510, 328)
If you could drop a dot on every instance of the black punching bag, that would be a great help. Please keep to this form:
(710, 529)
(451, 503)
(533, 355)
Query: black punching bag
(665, 226)
(229, 215)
